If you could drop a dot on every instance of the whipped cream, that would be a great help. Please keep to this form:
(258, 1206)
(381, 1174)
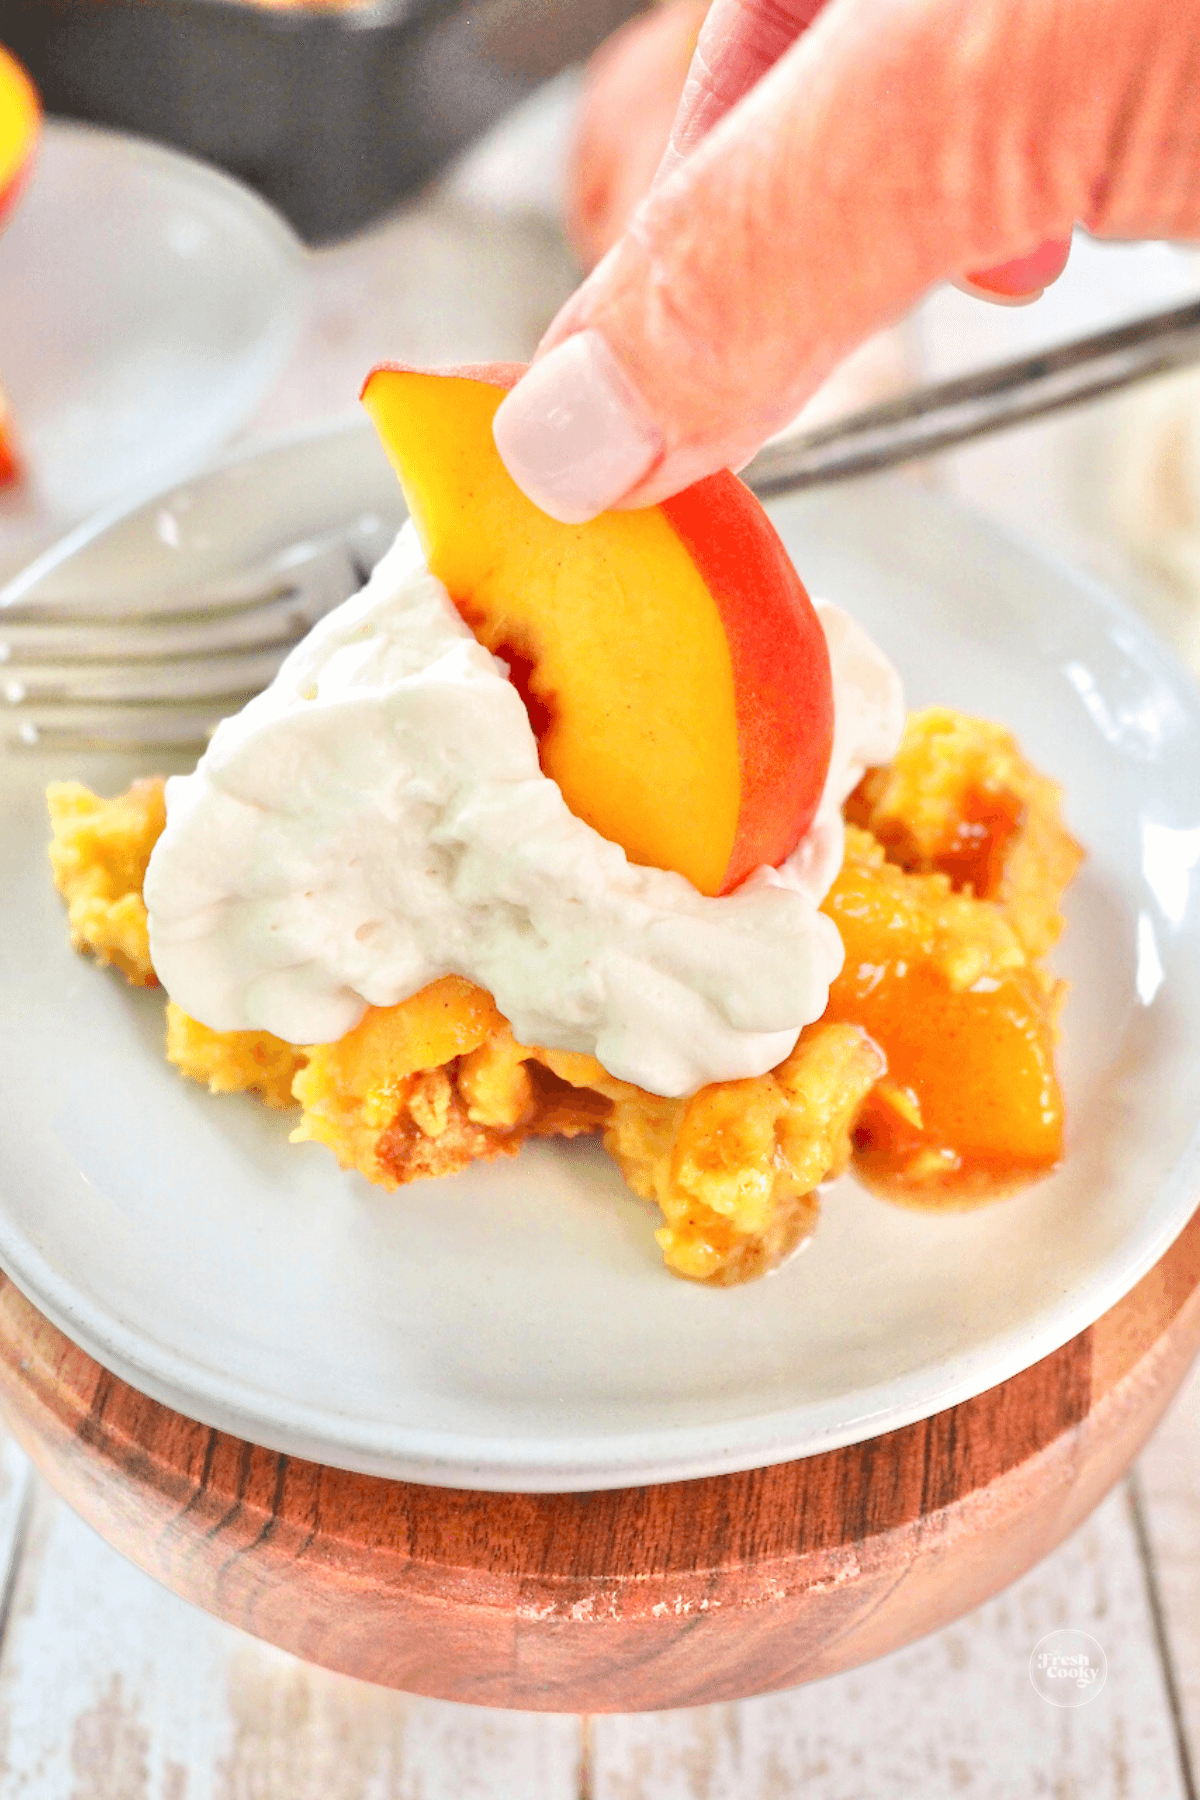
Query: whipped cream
(377, 818)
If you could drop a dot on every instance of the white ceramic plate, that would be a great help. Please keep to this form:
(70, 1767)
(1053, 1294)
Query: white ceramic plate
(147, 303)
(514, 1327)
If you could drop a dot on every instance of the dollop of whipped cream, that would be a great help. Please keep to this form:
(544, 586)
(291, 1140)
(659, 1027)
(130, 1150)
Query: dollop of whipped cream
(377, 818)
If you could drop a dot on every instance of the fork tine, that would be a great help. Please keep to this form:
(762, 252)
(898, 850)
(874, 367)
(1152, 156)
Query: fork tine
(113, 672)
(132, 728)
(185, 679)
(319, 568)
(278, 623)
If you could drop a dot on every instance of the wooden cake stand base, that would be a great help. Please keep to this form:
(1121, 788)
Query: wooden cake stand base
(643, 1598)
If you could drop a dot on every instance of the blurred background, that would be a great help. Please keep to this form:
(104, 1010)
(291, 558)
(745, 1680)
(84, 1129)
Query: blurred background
(425, 180)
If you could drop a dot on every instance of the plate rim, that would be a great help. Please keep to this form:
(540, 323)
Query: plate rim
(168, 156)
(247, 1410)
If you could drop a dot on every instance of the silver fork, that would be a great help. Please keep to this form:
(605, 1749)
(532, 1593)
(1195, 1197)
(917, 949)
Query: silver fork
(114, 673)
(121, 675)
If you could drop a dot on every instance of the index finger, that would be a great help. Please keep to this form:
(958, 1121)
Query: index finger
(739, 41)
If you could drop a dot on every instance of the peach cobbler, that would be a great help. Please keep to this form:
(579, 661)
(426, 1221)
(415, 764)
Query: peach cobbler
(558, 830)
(932, 1071)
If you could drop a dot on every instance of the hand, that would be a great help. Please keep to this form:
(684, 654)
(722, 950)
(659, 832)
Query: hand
(631, 92)
(818, 182)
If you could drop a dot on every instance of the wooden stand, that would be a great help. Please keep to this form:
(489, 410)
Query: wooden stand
(647, 1597)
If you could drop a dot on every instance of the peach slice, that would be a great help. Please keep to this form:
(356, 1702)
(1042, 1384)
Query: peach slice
(10, 467)
(20, 118)
(10, 463)
(675, 672)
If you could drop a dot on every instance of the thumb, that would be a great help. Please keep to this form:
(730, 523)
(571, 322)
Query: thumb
(897, 143)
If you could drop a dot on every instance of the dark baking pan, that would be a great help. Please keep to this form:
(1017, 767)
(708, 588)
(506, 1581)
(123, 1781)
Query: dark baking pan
(333, 114)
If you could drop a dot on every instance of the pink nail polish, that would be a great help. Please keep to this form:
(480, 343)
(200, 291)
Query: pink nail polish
(1023, 278)
(574, 433)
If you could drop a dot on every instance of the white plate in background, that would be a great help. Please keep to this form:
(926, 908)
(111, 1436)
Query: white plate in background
(513, 1327)
(147, 303)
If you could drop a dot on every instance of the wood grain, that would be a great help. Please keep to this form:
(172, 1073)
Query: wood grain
(112, 1688)
(954, 1717)
(663, 1596)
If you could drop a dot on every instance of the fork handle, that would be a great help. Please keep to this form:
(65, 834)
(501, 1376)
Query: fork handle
(951, 412)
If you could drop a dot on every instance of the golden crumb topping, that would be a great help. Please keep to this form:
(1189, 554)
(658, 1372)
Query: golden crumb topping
(99, 854)
(960, 798)
(734, 1167)
(233, 1062)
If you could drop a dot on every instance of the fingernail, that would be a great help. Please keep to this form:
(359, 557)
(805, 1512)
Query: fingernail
(574, 433)
(1023, 277)
(967, 284)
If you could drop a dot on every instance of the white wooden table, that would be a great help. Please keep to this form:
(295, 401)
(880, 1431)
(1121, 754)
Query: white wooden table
(113, 1689)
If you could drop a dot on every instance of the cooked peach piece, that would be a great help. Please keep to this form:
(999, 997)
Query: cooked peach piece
(941, 982)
